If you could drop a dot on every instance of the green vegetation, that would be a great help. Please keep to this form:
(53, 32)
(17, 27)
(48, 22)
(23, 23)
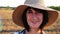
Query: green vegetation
(55, 7)
(8, 8)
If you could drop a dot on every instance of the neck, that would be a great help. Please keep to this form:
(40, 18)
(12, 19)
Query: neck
(34, 31)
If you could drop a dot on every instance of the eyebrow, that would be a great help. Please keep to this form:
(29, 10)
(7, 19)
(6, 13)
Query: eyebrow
(29, 9)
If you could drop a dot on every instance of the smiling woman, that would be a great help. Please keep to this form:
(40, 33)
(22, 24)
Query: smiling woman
(34, 17)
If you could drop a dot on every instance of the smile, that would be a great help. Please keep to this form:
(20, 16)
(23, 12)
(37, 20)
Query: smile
(35, 22)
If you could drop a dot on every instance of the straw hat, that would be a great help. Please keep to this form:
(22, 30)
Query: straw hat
(52, 14)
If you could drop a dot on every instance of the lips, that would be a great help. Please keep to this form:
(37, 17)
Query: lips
(34, 22)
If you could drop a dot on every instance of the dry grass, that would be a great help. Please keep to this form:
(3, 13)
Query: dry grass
(6, 17)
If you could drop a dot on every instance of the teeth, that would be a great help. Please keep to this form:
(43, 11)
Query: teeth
(34, 22)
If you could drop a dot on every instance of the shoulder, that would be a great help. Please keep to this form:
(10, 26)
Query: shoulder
(43, 32)
(14, 32)
(19, 32)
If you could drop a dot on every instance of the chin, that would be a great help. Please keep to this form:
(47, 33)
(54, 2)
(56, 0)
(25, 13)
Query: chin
(34, 26)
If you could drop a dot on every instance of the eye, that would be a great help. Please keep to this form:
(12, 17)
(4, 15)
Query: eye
(29, 11)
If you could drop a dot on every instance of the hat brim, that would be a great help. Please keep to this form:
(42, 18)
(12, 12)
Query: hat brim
(16, 16)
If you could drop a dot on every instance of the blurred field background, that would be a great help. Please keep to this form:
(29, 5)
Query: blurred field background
(7, 26)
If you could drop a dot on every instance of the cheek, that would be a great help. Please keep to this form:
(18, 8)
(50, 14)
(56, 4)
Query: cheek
(40, 17)
(29, 16)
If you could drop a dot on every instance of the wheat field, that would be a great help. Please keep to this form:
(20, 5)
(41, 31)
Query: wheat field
(8, 25)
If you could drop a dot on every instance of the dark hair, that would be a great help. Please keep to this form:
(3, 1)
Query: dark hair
(45, 18)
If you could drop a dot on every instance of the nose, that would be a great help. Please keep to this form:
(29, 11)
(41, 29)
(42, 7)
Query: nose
(34, 17)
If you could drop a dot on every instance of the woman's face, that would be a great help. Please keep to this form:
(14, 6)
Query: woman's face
(34, 19)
